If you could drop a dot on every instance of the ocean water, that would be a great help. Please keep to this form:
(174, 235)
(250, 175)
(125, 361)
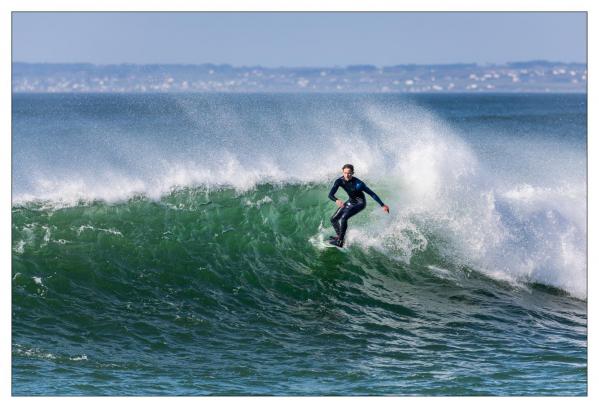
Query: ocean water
(173, 245)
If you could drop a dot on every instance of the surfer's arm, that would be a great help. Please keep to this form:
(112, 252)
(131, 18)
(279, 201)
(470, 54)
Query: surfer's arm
(334, 190)
(373, 195)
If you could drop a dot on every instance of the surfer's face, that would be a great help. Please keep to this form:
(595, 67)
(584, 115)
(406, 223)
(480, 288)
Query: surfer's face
(347, 174)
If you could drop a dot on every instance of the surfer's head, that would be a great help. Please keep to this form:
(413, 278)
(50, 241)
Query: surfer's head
(348, 171)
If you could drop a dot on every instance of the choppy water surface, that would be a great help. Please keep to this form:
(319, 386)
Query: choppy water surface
(173, 245)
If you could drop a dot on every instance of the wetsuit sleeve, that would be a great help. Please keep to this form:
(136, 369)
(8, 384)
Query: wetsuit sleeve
(373, 195)
(334, 190)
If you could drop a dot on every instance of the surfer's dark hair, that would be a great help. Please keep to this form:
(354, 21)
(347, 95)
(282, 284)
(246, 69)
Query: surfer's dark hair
(348, 166)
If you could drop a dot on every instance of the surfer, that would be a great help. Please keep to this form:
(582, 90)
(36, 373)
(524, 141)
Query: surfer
(355, 189)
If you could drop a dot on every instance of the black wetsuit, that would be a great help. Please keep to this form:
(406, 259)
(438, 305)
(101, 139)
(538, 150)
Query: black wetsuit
(355, 189)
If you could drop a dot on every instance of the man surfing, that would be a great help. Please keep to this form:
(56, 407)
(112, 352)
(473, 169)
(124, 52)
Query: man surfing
(355, 189)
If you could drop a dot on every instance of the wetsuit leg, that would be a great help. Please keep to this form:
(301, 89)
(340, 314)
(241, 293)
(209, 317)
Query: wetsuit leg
(335, 219)
(349, 211)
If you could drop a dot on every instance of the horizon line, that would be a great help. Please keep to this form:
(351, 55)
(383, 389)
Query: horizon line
(537, 61)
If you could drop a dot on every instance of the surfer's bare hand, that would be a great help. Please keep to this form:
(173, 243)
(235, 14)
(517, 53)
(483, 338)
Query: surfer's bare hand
(339, 203)
(386, 208)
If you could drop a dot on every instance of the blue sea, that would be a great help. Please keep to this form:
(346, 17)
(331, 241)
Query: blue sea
(173, 244)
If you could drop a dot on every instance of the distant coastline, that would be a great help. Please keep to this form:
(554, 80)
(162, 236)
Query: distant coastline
(528, 76)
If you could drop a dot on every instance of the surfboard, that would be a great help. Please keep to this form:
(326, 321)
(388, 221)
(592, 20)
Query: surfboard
(320, 242)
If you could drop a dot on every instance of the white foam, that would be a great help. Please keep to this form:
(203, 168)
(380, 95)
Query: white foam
(259, 203)
(85, 227)
(19, 248)
(525, 233)
(38, 353)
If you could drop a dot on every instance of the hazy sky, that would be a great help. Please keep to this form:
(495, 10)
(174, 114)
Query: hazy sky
(298, 39)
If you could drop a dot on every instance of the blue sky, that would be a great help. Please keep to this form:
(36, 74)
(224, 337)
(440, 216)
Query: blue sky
(298, 39)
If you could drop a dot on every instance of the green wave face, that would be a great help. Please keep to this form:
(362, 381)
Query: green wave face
(226, 292)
